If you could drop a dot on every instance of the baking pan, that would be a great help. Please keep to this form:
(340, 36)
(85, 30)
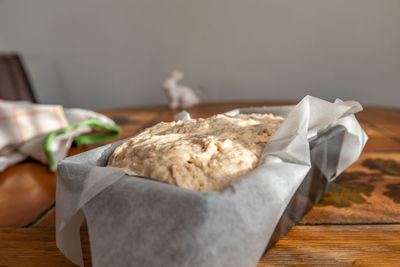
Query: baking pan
(139, 222)
(315, 185)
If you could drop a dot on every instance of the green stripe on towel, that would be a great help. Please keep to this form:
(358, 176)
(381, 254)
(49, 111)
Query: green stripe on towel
(111, 131)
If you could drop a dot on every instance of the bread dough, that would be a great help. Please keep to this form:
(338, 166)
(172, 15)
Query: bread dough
(199, 154)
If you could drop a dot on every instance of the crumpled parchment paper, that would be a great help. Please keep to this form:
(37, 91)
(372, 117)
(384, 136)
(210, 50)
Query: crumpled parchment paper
(138, 222)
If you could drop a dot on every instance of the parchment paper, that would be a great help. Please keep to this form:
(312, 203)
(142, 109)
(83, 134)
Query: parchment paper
(138, 222)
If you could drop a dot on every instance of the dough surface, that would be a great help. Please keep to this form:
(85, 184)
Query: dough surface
(198, 154)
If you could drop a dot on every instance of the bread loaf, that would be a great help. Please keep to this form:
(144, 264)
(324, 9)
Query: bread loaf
(198, 154)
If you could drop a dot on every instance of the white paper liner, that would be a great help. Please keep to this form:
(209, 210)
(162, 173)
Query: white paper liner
(138, 222)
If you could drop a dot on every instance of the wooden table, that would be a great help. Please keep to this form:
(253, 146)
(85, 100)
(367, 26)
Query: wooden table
(358, 223)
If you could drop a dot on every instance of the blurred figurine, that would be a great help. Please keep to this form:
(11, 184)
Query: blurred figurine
(180, 96)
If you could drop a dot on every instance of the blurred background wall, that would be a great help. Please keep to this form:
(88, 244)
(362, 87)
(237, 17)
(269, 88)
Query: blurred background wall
(106, 54)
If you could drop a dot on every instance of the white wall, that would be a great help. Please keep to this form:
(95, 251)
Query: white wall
(105, 54)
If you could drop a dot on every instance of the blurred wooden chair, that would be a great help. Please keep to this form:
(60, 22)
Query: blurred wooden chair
(14, 82)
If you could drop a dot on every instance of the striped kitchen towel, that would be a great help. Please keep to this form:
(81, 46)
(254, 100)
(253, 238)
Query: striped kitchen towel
(21, 121)
(46, 132)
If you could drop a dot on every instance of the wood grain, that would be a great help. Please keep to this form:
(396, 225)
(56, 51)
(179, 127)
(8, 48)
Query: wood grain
(385, 119)
(26, 190)
(337, 245)
(350, 203)
(36, 247)
(329, 245)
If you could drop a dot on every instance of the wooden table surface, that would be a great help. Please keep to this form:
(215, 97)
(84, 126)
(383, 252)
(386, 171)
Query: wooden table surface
(357, 223)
